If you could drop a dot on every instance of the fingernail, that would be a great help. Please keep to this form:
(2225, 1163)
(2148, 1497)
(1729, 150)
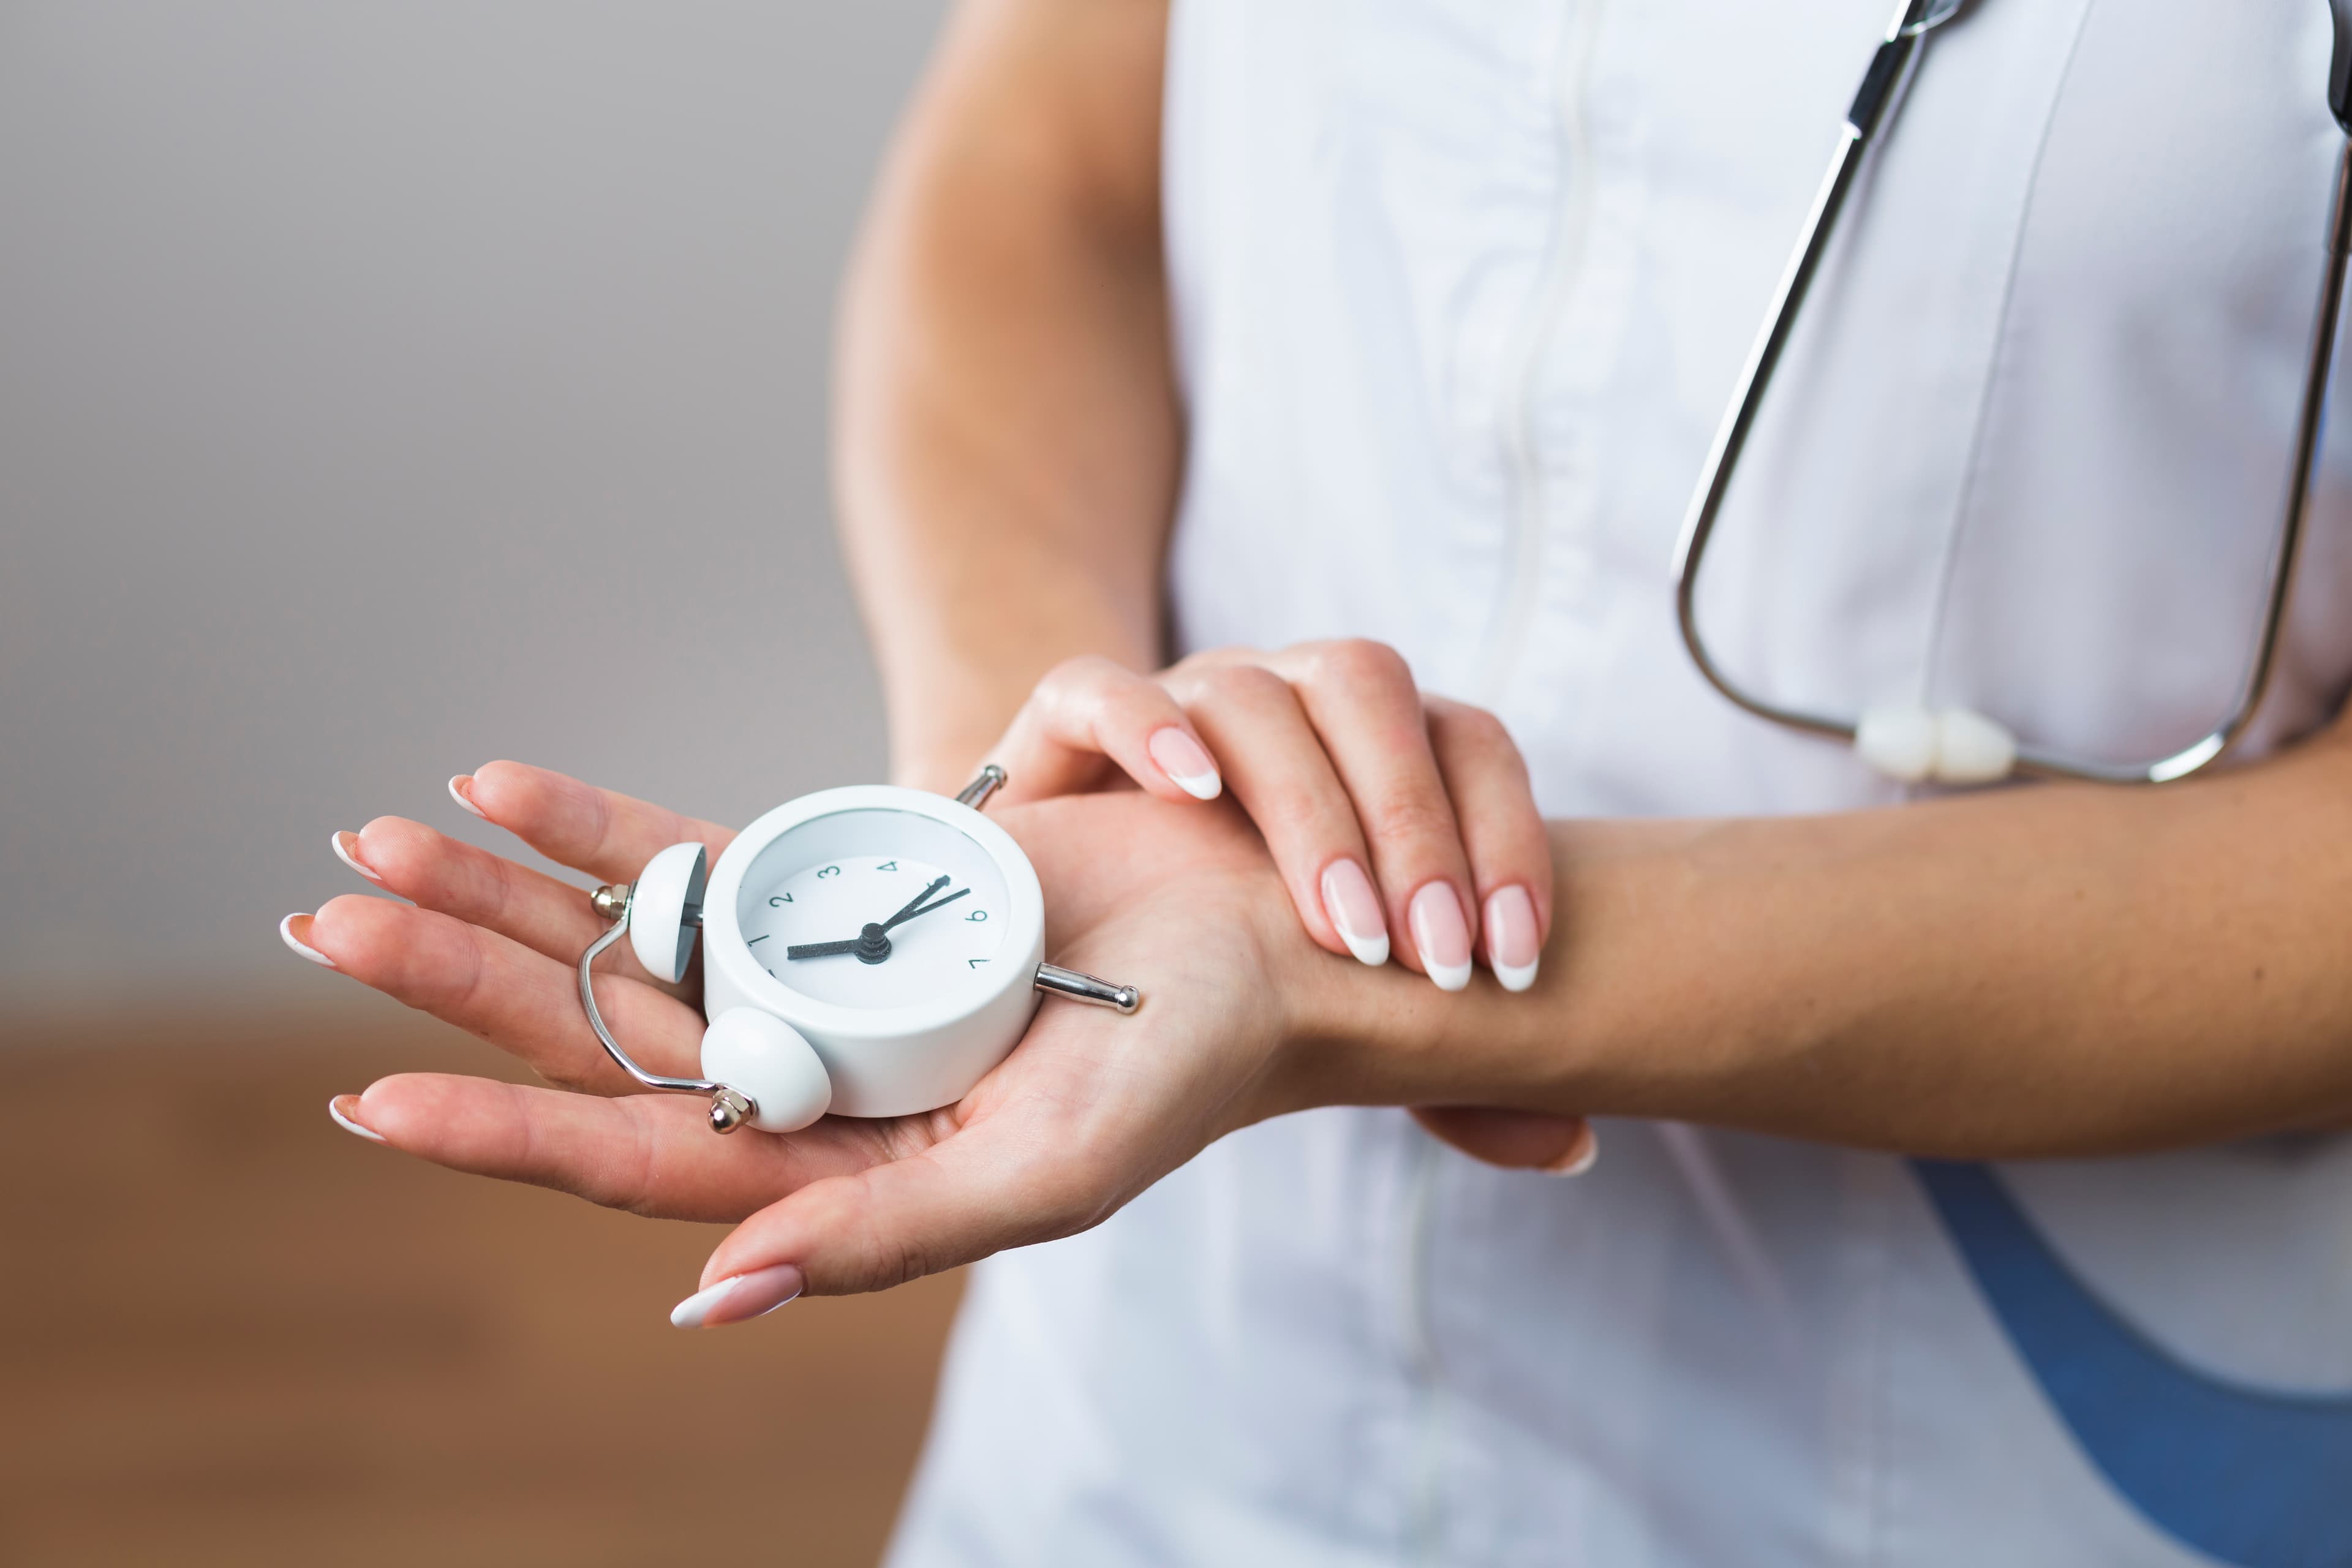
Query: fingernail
(1182, 758)
(459, 784)
(347, 849)
(345, 1109)
(1580, 1157)
(293, 937)
(745, 1296)
(1511, 945)
(1355, 909)
(1441, 935)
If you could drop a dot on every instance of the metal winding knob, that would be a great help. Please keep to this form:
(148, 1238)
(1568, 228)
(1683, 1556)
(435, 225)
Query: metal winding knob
(1060, 982)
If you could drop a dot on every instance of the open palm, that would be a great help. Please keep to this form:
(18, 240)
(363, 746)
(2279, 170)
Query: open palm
(1089, 1109)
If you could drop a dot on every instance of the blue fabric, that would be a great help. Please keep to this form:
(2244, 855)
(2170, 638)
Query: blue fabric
(2256, 1479)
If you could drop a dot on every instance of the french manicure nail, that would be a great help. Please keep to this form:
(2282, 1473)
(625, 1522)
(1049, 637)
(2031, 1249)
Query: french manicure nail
(346, 846)
(288, 934)
(1441, 935)
(1182, 758)
(1511, 945)
(345, 1109)
(744, 1295)
(1355, 909)
(1580, 1157)
(459, 784)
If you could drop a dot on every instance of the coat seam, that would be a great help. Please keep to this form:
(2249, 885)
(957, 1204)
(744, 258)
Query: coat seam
(1972, 465)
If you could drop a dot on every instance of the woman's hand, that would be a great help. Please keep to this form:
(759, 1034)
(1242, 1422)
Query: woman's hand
(1384, 809)
(1089, 1109)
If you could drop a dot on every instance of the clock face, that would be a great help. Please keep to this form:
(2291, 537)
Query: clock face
(874, 909)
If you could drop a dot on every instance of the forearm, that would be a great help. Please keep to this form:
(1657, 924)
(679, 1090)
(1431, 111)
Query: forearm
(1008, 438)
(2038, 971)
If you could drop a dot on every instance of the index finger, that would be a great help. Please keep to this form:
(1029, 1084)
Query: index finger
(608, 835)
(649, 1153)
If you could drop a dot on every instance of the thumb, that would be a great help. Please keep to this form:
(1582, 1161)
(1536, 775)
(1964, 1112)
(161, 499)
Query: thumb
(1090, 721)
(949, 1205)
(1515, 1139)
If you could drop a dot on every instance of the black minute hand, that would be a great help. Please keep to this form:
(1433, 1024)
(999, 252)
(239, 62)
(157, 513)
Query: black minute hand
(915, 905)
(904, 915)
(873, 945)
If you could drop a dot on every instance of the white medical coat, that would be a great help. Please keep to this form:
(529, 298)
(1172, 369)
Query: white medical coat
(1462, 288)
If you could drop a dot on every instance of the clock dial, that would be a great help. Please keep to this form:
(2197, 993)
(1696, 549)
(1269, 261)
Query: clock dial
(958, 985)
(946, 918)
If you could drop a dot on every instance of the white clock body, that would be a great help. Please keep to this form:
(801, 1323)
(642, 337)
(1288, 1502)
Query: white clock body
(916, 1031)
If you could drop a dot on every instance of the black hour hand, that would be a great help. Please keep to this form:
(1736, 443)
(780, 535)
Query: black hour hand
(872, 945)
(821, 949)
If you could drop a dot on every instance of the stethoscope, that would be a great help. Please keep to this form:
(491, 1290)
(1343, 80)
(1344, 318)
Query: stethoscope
(1959, 745)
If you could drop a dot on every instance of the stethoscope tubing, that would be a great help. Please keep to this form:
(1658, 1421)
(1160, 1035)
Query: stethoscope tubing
(1883, 87)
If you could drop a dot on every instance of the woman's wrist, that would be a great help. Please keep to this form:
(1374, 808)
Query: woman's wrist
(1605, 993)
(1361, 1036)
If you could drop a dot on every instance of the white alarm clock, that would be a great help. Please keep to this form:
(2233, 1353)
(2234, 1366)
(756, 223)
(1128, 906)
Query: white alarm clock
(870, 951)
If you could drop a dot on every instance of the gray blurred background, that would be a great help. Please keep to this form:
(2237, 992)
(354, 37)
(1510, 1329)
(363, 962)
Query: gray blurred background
(387, 386)
(371, 375)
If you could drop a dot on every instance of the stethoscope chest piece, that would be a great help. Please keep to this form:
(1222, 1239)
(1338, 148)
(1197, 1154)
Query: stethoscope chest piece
(1947, 746)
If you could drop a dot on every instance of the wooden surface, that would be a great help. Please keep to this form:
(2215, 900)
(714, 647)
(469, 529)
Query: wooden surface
(232, 1333)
